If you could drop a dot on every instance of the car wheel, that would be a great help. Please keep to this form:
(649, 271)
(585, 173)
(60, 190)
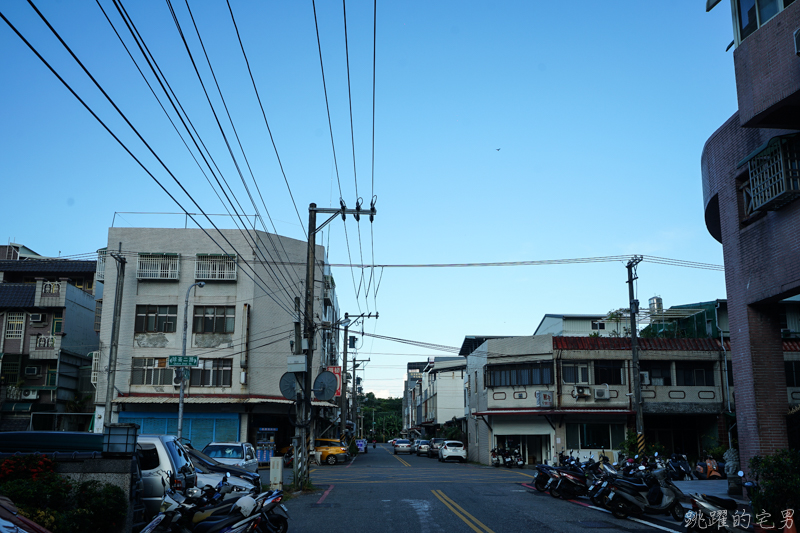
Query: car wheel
(331, 460)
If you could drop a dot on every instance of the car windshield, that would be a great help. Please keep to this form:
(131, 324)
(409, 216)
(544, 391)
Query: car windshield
(423, 442)
(223, 452)
(401, 441)
(201, 458)
(454, 445)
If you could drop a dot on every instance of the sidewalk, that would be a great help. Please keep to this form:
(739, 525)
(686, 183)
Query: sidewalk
(716, 487)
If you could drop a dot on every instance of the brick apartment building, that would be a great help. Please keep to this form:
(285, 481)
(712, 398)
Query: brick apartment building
(751, 181)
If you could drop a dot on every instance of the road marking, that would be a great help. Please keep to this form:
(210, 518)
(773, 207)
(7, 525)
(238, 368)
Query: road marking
(402, 460)
(353, 460)
(325, 495)
(450, 504)
(662, 528)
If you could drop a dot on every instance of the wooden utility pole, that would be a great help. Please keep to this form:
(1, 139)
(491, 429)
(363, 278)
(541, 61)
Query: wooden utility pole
(112, 353)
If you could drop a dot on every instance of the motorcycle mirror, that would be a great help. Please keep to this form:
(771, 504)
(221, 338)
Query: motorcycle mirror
(740, 473)
(656, 454)
(636, 456)
(641, 467)
(614, 464)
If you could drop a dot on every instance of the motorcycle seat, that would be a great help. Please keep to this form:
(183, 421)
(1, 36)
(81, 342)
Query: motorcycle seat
(725, 503)
(633, 485)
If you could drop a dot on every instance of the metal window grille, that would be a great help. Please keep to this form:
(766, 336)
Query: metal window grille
(45, 341)
(98, 314)
(51, 287)
(212, 373)
(774, 175)
(215, 267)
(95, 367)
(15, 325)
(158, 266)
(100, 271)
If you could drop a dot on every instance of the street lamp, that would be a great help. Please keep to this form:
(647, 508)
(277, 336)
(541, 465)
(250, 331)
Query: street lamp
(183, 355)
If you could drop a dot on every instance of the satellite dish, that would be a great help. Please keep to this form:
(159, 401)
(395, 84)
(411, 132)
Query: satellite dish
(288, 385)
(325, 386)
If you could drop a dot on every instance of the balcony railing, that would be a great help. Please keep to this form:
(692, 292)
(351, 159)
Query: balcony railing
(51, 288)
(158, 266)
(45, 341)
(211, 267)
(100, 272)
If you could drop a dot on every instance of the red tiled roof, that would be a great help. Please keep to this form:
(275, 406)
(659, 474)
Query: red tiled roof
(624, 343)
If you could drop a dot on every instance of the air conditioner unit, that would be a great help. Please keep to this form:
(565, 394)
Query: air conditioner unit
(601, 394)
(38, 317)
(30, 394)
(581, 392)
(33, 371)
(644, 378)
(544, 398)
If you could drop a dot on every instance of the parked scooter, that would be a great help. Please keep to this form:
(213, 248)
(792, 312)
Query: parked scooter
(706, 506)
(516, 458)
(654, 493)
(496, 457)
(708, 469)
(678, 468)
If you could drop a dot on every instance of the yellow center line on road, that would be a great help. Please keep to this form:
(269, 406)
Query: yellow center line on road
(450, 504)
(402, 460)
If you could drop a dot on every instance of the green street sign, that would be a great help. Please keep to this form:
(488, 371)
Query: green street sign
(182, 360)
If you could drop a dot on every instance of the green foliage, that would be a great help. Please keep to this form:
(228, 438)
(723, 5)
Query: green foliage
(629, 446)
(352, 449)
(46, 498)
(778, 477)
(717, 452)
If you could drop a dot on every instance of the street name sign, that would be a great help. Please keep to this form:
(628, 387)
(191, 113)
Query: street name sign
(182, 360)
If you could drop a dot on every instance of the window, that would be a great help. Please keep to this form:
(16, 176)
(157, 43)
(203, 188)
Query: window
(10, 374)
(598, 325)
(213, 319)
(660, 372)
(515, 375)
(158, 266)
(58, 321)
(52, 376)
(212, 373)
(577, 372)
(598, 436)
(215, 267)
(752, 14)
(15, 325)
(694, 374)
(98, 314)
(792, 373)
(150, 371)
(156, 318)
(609, 372)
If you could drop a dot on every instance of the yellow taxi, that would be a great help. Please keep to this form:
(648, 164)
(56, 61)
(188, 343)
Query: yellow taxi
(333, 450)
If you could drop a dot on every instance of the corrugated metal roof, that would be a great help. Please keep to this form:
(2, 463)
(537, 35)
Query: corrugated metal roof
(17, 295)
(50, 265)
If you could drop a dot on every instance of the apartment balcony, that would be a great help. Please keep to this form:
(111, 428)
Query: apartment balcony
(158, 266)
(774, 170)
(50, 293)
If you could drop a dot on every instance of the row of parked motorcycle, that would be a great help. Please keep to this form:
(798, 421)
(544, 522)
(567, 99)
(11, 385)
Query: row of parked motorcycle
(507, 457)
(633, 487)
(218, 509)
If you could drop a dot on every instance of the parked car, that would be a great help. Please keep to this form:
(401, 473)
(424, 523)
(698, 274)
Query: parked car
(158, 455)
(207, 465)
(433, 447)
(452, 449)
(332, 451)
(240, 454)
(421, 447)
(402, 446)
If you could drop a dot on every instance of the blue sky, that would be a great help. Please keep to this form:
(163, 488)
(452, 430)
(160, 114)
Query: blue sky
(600, 112)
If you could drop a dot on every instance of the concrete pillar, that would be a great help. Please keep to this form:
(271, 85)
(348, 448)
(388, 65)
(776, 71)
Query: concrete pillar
(759, 380)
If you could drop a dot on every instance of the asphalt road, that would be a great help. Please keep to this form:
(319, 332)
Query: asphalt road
(388, 493)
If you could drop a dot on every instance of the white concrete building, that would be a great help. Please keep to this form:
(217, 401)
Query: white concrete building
(579, 326)
(239, 327)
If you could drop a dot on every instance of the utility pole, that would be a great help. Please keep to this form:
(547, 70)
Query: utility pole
(182, 369)
(304, 409)
(347, 321)
(637, 385)
(112, 353)
(355, 396)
